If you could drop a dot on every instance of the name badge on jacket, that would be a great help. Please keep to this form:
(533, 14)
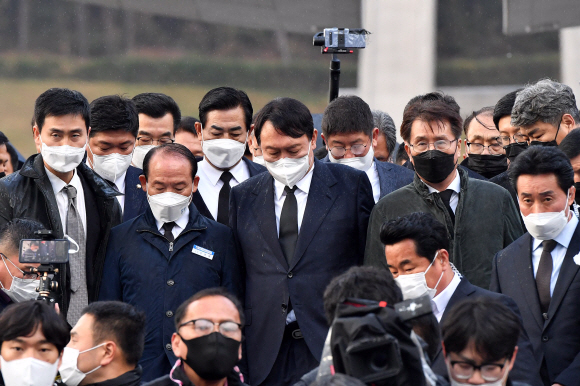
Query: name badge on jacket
(203, 252)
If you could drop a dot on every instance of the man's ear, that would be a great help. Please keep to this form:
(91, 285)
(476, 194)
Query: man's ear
(375, 137)
(195, 184)
(251, 130)
(179, 348)
(36, 136)
(513, 359)
(314, 137)
(110, 352)
(198, 129)
(443, 348)
(143, 182)
(408, 151)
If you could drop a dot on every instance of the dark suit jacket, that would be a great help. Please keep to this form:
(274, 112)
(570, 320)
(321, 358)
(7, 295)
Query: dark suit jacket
(556, 338)
(135, 198)
(391, 176)
(525, 368)
(254, 170)
(331, 240)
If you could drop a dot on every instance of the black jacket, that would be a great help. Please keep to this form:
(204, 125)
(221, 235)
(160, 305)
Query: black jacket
(179, 374)
(5, 300)
(130, 378)
(135, 197)
(29, 194)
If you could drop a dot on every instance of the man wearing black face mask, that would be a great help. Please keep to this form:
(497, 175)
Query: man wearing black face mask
(546, 112)
(480, 217)
(207, 341)
(485, 154)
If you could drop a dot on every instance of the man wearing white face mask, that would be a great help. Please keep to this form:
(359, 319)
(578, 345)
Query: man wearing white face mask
(165, 255)
(32, 338)
(61, 192)
(298, 226)
(416, 250)
(225, 125)
(112, 137)
(350, 135)
(540, 269)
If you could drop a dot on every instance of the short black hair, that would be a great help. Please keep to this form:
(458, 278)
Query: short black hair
(215, 291)
(492, 327)
(483, 111)
(3, 139)
(347, 114)
(537, 160)
(13, 156)
(226, 98)
(156, 105)
(504, 106)
(288, 116)
(187, 124)
(122, 323)
(368, 283)
(57, 102)
(24, 318)
(14, 231)
(427, 233)
(112, 113)
(570, 145)
(401, 154)
(337, 379)
(170, 149)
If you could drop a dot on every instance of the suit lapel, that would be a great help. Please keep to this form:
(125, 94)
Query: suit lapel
(463, 290)
(266, 216)
(197, 200)
(384, 182)
(567, 273)
(525, 274)
(319, 202)
(132, 200)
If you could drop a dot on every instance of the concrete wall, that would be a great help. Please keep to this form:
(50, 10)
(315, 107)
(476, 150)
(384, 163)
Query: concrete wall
(570, 59)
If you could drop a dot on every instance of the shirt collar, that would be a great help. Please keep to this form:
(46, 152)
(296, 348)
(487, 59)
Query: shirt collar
(455, 185)
(303, 184)
(181, 222)
(443, 297)
(58, 184)
(213, 175)
(120, 183)
(563, 237)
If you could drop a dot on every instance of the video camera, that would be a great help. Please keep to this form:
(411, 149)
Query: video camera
(372, 341)
(49, 252)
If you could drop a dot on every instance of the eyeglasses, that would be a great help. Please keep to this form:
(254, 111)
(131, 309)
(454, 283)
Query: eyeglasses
(489, 372)
(25, 275)
(441, 145)
(518, 138)
(477, 148)
(339, 151)
(206, 327)
(145, 140)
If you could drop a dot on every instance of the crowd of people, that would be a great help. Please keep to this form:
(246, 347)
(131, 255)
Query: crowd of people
(229, 250)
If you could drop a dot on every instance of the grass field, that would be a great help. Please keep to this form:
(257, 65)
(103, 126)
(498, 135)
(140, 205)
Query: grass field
(17, 101)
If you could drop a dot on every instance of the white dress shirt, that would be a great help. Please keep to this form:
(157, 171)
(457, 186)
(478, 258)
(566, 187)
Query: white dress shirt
(558, 254)
(439, 302)
(210, 184)
(62, 198)
(301, 194)
(455, 186)
(179, 226)
(120, 185)
(373, 175)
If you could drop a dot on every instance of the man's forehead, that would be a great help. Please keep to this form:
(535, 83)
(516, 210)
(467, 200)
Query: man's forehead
(211, 307)
(421, 128)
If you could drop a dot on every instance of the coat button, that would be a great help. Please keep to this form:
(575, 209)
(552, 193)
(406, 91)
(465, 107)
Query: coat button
(168, 347)
(169, 314)
(545, 315)
(284, 307)
(170, 283)
(545, 339)
(290, 275)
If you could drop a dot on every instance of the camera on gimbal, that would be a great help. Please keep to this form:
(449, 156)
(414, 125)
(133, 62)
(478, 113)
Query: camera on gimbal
(340, 40)
(49, 252)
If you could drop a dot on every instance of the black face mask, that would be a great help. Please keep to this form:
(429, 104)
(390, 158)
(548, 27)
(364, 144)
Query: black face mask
(434, 165)
(212, 356)
(577, 195)
(549, 143)
(514, 149)
(487, 165)
(2, 175)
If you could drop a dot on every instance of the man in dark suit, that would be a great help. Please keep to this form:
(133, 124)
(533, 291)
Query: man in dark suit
(540, 269)
(350, 135)
(416, 249)
(224, 127)
(297, 227)
(60, 191)
(112, 136)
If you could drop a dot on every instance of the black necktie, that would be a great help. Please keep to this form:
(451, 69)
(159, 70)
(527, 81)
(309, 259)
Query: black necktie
(289, 224)
(446, 197)
(223, 214)
(544, 274)
(167, 229)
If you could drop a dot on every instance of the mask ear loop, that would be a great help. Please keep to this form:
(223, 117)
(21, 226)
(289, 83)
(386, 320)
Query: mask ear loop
(70, 239)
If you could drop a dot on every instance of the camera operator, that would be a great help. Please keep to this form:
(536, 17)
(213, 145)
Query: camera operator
(480, 343)
(32, 338)
(16, 281)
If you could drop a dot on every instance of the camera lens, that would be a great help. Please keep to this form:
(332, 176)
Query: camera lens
(318, 39)
(379, 361)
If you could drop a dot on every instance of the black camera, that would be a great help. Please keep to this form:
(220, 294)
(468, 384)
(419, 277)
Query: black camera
(50, 253)
(340, 40)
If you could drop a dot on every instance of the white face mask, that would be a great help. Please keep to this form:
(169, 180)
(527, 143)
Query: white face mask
(168, 206)
(361, 163)
(223, 153)
(69, 371)
(499, 382)
(110, 166)
(21, 290)
(63, 158)
(139, 154)
(548, 225)
(289, 171)
(259, 159)
(415, 285)
(28, 372)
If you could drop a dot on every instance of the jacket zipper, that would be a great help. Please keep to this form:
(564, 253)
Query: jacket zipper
(171, 243)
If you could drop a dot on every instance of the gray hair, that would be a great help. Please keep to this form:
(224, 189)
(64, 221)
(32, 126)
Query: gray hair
(386, 126)
(545, 101)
